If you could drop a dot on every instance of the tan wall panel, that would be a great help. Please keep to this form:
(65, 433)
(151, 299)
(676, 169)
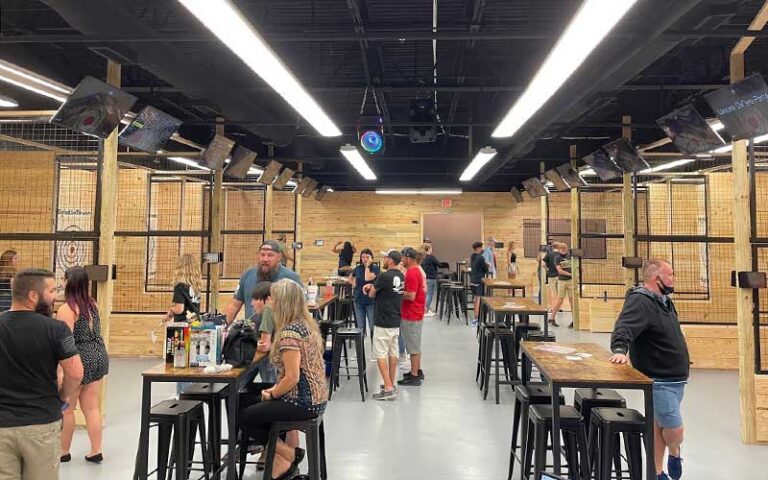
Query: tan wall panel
(26, 192)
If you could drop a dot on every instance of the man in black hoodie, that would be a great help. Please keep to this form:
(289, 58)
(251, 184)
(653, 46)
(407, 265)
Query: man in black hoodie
(648, 329)
(478, 268)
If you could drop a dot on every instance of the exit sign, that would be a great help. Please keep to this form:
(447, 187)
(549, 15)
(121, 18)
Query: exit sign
(447, 203)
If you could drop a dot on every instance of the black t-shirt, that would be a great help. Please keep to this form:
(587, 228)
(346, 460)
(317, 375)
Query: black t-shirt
(479, 268)
(185, 295)
(31, 347)
(389, 296)
(549, 261)
(430, 266)
(565, 263)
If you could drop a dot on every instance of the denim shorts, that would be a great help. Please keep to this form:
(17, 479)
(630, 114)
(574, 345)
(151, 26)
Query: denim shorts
(667, 397)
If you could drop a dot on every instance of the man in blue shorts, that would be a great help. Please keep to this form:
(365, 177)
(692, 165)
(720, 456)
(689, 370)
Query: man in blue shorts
(648, 329)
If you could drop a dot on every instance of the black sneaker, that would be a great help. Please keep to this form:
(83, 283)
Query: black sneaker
(410, 375)
(410, 381)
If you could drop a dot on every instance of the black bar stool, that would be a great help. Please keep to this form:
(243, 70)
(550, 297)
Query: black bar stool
(211, 394)
(356, 336)
(525, 396)
(506, 341)
(586, 399)
(443, 287)
(457, 301)
(574, 441)
(315, 435)
(605, 427)
(179, 417)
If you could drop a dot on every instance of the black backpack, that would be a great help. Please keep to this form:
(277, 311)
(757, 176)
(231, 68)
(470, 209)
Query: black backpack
(240, 345)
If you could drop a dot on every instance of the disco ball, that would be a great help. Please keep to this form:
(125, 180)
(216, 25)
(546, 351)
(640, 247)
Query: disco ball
(371, 141)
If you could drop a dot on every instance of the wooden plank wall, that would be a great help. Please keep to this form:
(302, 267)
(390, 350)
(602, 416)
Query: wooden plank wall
(382, 222)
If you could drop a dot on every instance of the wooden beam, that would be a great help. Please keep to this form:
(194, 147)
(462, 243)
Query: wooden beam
(107, 224)
(654, 145)
(27, 113)
(628, 207)
(42, 146)
(743, 262)
(297, 233)
(216, 244)
(758, 23)
(268, 212)
(544, 215)
(575, 232)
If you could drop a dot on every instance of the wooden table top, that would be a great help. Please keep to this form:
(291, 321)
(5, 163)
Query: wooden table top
(322, 303)
(500, 283)
(333, 281)
(593, 367)
(164, 370)
(521, 305)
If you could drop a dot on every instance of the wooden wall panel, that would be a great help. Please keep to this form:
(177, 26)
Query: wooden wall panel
(27, 187)
(382, 222)
(283, 211)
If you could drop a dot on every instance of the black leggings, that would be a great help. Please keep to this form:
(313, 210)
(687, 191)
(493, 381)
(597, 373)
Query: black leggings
(257, 419)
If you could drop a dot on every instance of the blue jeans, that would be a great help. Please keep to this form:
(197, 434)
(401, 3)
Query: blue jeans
(361, 313)
(266, 370)
(431, 288)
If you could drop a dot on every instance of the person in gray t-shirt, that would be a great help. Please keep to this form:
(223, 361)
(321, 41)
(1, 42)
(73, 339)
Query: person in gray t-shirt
(269, 269)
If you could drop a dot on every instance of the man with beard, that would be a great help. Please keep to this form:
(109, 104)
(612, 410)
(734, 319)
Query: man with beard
(270, 269)
(32, 346)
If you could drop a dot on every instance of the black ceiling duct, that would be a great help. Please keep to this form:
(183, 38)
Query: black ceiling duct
(171, 64)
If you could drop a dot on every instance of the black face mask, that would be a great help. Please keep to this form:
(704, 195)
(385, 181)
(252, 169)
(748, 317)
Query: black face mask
(665, 290)
(43, 308)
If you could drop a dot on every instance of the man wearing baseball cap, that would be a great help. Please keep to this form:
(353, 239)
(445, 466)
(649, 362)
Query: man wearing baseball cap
(388, 292)
(412, 313)
(270, 269)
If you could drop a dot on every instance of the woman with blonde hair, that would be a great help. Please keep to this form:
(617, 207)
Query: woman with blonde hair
(301, 392)
(9, 264)
(187, 287)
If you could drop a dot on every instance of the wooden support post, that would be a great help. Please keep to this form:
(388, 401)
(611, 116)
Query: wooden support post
(107, 223)
(575, 233)
(297, 224)
(544, 235)
(743, 262)
(628, 206)
(216, 243)
(268, 213)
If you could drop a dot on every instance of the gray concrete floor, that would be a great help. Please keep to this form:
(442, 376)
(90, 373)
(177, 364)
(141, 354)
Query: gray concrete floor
(441, 430)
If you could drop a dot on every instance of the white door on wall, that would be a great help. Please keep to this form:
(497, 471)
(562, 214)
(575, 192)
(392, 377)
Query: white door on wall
(453, 234)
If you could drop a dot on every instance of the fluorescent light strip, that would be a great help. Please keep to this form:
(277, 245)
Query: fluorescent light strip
(483, 156)
(418, 191)
(188, 162)
(591, 24)
(33, 77)
(588, 172)
(234, 30)
(666, 166)
(729, 147)
(716, 125)
(357, 161)
(8, 102)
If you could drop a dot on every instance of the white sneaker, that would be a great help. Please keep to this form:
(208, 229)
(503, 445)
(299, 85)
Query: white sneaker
(406, 366)
(430, 313)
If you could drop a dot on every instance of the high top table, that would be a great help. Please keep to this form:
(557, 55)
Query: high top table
(317, 308)
(499, 307)
(495, 283)
(166, 372)
(593, 371)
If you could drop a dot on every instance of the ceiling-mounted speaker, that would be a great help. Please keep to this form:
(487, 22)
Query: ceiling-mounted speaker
(241, 162)
(423, 111)
(310, 189)
(217, 152)
(270, 173)
(302, 185)
(283, 179)
(321, 192)
(517, 195)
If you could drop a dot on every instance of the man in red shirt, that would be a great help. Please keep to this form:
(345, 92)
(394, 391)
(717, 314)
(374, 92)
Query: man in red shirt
(412, 311)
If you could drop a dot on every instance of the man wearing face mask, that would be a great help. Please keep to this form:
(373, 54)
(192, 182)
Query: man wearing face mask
(648, 329)
(32, 346)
